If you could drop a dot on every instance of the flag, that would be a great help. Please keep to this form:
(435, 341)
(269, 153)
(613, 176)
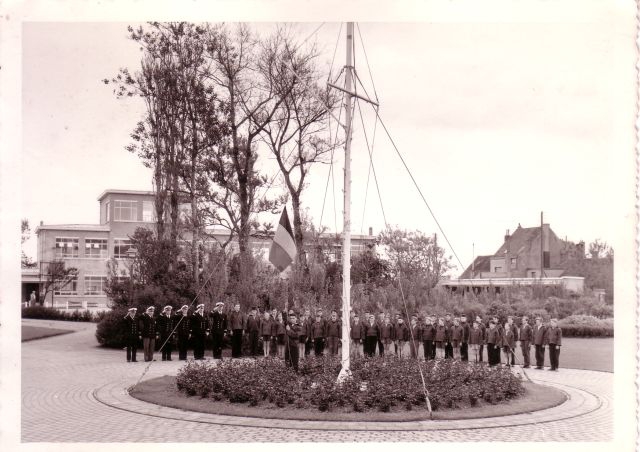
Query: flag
(283, 247)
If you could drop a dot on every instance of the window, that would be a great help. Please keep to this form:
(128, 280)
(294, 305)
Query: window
(125, 210)
(95, 247)
(147, 211)
(121, 248)
(107, 211)
(497, 269)
(533, 274)
(94, 285)
(66, 287)
(66, 247)
(514, 262)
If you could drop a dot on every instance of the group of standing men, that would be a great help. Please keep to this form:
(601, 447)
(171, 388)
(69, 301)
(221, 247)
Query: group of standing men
(297, 336)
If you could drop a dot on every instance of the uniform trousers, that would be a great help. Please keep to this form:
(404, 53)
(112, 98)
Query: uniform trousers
(318, 346)
(253, 343)
(370, 345)
(217, 340)
(132, 348)
(448, 350)
(291, 356)
(183, 345)
(148, 344)
(198, 346)
(525, 346)
(554, 356)
(539, 355)
(426, 347)
(464, 351)
(480, 352)
(493, 353)
(333, 342)
(380, 348)
(165, 343)
(236, 344)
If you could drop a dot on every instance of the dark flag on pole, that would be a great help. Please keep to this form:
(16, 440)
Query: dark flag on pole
(283, 248)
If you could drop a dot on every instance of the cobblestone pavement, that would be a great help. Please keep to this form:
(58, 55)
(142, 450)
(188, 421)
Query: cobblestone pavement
(79, 389)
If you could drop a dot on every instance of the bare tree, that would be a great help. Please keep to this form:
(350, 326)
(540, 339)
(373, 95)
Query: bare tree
(58, 277)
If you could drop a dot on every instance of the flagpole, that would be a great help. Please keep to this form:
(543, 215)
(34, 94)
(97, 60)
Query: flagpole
(345, 372)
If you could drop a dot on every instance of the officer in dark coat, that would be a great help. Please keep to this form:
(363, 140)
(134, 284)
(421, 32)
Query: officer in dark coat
(218, 329)
(133, 335)
(237, 323)
(291, 354)
(199, 331)
(253, 330)
(149, 332)
(183, 330)
(165, 328)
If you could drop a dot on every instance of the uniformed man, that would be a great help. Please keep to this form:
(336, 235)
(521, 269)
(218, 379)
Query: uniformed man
(253, 330)
(165, 328)
(334, 333)
(291, 355)
(318, 333)
(554, 339)
(464, 346)
(199, 331)
(526, 337)
(149, 333)
(237, 324)
(183, 329)
(448, 347)
(218, 329)
(133, 335)
(539, 341)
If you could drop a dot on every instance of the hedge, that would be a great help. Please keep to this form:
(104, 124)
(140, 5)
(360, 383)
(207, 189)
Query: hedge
(41, 312)
(376, 383)
(586, 326)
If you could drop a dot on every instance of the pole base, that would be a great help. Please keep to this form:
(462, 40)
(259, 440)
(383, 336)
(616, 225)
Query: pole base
(345, 374)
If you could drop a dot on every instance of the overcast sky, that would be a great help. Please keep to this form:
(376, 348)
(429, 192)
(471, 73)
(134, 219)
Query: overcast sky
(497, 122)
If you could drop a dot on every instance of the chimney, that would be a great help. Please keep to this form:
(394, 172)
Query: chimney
(507, 236)
(370, 231)
(41, 223)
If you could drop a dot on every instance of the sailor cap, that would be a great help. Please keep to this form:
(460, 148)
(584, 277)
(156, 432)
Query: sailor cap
(200, 306)
(168, 308)
(132, 309)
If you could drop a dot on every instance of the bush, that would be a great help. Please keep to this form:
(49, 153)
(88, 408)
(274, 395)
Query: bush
(111, 331)
(586, 326)
(377, 384)
(41, 312)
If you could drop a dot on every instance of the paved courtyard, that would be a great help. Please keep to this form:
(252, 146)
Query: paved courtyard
(80, 389)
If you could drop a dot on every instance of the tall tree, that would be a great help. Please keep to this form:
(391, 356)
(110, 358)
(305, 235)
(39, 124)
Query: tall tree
(296, 134)
(25, 231)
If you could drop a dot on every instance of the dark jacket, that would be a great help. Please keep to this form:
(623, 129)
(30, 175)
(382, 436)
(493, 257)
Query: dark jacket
(237, 321)
(386, 331)
(266, 327)
(183, 324)
(357, 331)
(218, 322)
(293, 335)
(540, 335)
(442, 334)
(456, 333)
(401, 332)
(466, 330)
(475, 336)
(147, 326)
(132, 326)
(318, 329)
(416, 332)
(164, 325)
(554, 335)
(372, 330)
(279, 328)
(253, 324)
(494, 337)
(334, 328)
(526, 333)
(509, 338)
(199, 325)
(428, 332)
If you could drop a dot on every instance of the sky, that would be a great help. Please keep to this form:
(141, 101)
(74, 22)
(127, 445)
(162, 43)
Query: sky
(497, 121)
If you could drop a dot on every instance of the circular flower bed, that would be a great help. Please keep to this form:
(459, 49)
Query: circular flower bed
(376, 383)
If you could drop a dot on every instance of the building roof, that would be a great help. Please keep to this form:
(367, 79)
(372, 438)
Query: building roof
(124, 192)
(519, 241)
(74, 227)
(480, 264)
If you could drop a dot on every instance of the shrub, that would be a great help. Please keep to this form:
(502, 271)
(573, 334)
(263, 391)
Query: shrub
(41, 312)
(111, 332)
(378, 384)
(586, 326)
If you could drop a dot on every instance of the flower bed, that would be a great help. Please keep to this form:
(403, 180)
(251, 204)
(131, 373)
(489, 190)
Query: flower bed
(376, 384)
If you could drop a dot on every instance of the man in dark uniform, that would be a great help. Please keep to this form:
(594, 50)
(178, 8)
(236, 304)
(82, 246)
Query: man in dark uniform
(237, 325)
(253, 330)
(165, 328)
(199, 331)
(526, 337)
(133, 335)
(291, 355)
(183, 328)
(483, 335)
(149, 333)
(539, 341)
(464, 346)
(448, 347)
(218, 329)
(318, 333)
(334, 333)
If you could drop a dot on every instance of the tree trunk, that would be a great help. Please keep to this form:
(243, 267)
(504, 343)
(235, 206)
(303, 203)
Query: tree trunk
(297, 224)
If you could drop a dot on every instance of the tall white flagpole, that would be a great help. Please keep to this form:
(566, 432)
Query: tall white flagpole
(345, 372)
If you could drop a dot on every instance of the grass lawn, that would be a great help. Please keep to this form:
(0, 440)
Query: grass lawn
(30, 333)
(582, 353)
(163, 391)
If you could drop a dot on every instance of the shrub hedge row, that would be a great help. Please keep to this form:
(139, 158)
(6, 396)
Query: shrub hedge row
(586, 326)
(376, 383)
(41, 312)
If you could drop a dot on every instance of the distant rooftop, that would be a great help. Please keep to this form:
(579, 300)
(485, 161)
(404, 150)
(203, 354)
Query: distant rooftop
(74, 227)
(124, 192)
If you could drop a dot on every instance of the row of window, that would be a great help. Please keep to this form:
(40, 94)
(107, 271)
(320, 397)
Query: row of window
(93, 248)
(93, 285)
(128, 211)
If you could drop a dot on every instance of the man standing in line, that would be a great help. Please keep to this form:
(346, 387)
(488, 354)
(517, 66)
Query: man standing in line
(380, 322)
(334, 333)
(184, 331)
(539, 340)
(483, 337)
(147, 326)
(357, 337)
(493, 344)
(199, 330)
(133, 335)
(253, 330)
(464, 346)
(165, 328)
(291, 355)
(448, 347)
(526, 336)
(237, 325)
(318, 333)
(554, 339)
(218, 328)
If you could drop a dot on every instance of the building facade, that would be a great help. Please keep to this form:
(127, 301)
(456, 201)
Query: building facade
(89, 247)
